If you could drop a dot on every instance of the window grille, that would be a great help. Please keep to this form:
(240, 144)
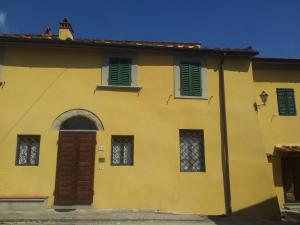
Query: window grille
(28, 148)
(191, 151)
(122, 150)
(286, 102)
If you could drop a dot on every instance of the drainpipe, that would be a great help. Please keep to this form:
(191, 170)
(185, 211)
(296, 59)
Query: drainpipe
(224, 138)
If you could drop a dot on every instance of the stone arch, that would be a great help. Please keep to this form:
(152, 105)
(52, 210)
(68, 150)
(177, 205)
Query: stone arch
(76, 112)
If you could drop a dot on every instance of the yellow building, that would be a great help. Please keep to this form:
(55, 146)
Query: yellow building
(141, 125)
(279, 122)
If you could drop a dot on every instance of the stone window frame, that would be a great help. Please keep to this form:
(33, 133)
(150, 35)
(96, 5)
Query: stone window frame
(105, 72)
(204, 78)
(56, 125)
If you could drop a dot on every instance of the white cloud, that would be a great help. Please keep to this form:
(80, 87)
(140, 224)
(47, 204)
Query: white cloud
(3, 26)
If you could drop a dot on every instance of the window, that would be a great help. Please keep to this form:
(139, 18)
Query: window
(28, 148)
(191, 150)
(119, 71)
(190, 79)
(286, 101)
(190, 76)
(122, 150)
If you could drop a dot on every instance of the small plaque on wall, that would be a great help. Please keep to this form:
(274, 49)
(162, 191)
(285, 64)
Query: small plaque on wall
(101, 163)
(101, 148)
(101, 160)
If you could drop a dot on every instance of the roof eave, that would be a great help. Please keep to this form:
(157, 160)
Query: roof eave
(276, 63)
(5, 41)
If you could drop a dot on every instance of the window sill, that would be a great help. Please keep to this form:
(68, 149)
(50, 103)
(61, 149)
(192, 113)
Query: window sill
(118, 88)
(191, 97)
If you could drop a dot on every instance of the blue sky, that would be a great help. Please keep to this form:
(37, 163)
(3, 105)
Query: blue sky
(270, 26)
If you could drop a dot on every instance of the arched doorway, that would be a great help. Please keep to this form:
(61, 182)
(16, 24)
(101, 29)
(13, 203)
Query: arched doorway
(75, 157)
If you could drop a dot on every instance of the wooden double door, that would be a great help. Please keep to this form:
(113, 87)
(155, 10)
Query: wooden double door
(291, 178)
(75, 168)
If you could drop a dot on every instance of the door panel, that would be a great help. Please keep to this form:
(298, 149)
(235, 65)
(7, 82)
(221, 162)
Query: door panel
(66, 161)
(85, 170)
(75, 168)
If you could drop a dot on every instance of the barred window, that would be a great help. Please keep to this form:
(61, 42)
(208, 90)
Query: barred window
(28, 147)
(286, 101)
(122, 150)
(191, 150)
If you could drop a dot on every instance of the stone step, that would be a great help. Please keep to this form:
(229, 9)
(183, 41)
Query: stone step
(292, 206)
(21, 203)
(70, 207)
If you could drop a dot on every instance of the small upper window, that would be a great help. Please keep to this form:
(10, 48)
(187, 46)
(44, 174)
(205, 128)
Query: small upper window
(190, 76)
(190, 79)
(122, 150)
(119, 72)
(286, 101)
(28, 148)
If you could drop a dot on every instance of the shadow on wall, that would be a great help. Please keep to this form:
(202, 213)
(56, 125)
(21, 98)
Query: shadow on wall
(268, 209)
(272, 75)
(52, 58)
(85, 58)
(237, 64)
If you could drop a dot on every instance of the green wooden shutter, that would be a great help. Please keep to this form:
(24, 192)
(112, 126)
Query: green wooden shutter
(119, 72)
(184, 79)
(195, 79)
(190, 79)
(125, 72)
(286, 101)
(113, 77)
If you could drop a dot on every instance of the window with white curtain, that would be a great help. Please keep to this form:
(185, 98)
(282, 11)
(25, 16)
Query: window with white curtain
(122, 150)
(28, 147)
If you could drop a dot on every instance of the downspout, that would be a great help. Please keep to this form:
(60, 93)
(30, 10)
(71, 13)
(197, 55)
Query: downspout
(224, 138)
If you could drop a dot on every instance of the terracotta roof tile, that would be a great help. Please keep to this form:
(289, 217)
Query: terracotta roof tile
(288, 148)
(189, 46)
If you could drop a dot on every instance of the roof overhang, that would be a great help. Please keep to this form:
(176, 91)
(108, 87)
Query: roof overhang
(288, 149)
(285, 150)
(111, 45)
(276, 63)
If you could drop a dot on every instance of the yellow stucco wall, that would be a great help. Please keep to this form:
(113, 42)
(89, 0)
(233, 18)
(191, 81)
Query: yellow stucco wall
(251, 178)
(41, 84)
(276, 129)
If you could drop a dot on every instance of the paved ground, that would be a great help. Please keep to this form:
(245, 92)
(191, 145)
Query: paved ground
(101, 217)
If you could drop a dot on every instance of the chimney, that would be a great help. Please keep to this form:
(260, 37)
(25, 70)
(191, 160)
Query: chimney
(48, 33)
(65, 30)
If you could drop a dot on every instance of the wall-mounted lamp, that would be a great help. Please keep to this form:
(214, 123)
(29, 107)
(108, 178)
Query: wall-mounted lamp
(264, 98)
